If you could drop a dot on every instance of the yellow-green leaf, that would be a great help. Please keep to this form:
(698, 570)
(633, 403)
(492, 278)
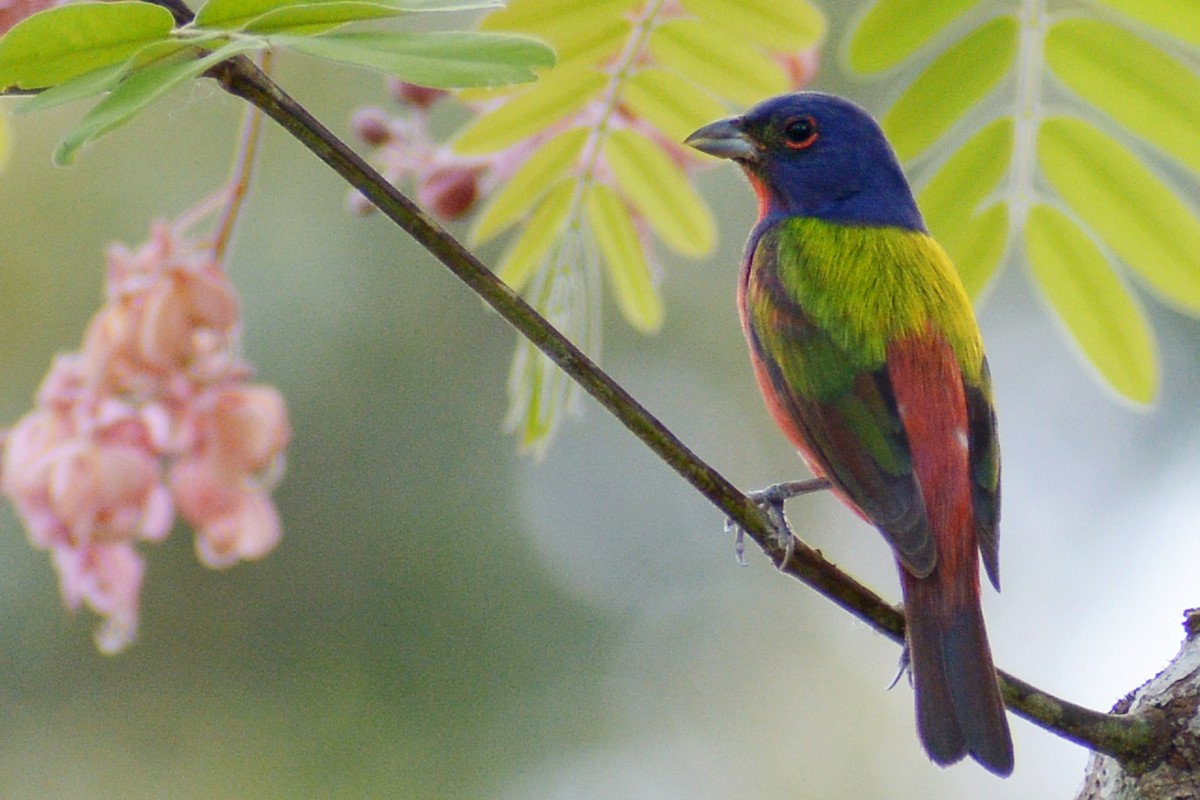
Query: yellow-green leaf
(976, 240)
(728, 67)
(892, 30)
(582, 32)
(597, 44)
(62, 43)
(134, 94)
(528, 250)
(1180, 18)
(1126, 205)
(253, 14)
(659, 189)
(318, 17)
(628, 270)
(538, 393)
(1102, 316)
(976, 246)
(967, 178)
(948, 88)
(669, 102)
(558, 94)
(784, 25)
(89, 84)
(555, 19)
(444, 59)
(527, 185)
(1148, 91)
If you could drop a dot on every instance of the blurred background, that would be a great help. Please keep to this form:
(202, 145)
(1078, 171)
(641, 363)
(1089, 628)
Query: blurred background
(448, 619)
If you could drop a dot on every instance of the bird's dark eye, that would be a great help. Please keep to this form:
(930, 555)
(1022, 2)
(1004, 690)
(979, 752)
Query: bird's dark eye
(799, 132)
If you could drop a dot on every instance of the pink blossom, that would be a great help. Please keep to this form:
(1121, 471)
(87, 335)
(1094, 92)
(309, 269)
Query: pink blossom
(153, 415)
(250, 530)
(107, 579)
(452, 185)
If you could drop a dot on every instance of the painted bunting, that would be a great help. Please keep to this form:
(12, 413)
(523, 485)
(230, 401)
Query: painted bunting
(869, 358)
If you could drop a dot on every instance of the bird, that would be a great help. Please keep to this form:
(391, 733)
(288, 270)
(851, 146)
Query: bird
(868, 355)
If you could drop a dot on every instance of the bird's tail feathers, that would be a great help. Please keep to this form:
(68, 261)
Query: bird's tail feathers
(959, 708)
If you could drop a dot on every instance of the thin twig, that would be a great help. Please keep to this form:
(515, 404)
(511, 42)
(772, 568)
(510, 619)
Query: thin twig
(239, 181)
(1122, 736)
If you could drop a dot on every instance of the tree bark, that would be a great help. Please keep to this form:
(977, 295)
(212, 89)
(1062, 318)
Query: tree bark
(1171, 701)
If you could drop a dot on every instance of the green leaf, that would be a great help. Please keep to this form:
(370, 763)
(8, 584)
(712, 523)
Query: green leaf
(59, 44)
(314, 18)
(628, 270)
(529, 183)
(238, 14)
(977, 245)
(660, 191)
(1100, 313)
(89, 84)
(892, 30)
(1152, 94)
(1126, 205)
(1180, 18)
(950, 86)
(528, 250)
(968, 177)
(784, 25)
(669, 102)
(137, 92)
(539, 392)
(559, 94)
(442, 60)
(707, 54)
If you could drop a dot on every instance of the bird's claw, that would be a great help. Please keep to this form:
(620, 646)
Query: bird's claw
(903, 668)
(771, 500)
(739, 540)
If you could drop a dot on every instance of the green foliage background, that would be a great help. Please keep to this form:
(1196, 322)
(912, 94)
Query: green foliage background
(445, 619)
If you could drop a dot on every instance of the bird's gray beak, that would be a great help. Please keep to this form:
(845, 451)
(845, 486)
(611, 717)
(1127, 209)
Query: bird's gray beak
(724, 139)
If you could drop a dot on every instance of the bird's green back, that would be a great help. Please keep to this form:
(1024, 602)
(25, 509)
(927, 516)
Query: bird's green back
(867, 286)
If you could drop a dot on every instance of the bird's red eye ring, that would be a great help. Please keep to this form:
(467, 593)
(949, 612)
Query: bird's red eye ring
(800, 132)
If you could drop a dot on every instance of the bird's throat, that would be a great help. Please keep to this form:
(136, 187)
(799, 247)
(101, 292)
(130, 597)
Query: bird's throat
(762, 192)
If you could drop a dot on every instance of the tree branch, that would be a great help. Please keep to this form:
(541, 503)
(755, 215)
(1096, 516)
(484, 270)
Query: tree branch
(1125, 737)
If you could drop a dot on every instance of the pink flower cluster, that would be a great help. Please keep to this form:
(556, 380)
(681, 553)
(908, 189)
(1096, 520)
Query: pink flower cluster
(152, 417)
(451, 185)
(446, 183)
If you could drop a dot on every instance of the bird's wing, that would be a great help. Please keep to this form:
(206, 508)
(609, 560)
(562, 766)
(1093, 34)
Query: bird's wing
(985, 472)
(841, 413)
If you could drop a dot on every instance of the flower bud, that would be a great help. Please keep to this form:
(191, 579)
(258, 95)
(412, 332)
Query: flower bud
(449, 192)
(371, 125)
(800, 67)
(410, 94)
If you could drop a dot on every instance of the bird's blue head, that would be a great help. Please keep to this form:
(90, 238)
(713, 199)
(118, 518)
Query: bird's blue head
(815, 155)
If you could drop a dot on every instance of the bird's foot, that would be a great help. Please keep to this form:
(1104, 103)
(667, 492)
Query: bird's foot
(904, 668)
(771, 500)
